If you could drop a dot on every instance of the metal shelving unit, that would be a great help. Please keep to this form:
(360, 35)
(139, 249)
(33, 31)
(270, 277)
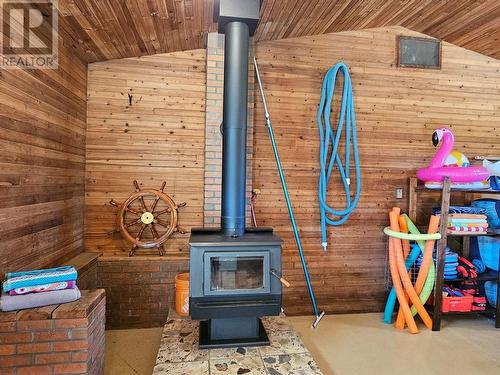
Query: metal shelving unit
(441, 249)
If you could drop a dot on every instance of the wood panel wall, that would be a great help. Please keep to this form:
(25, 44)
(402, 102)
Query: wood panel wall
(397, 110)
(158, 137)
(42, 163)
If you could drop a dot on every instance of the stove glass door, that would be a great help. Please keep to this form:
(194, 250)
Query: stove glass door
(235, 273)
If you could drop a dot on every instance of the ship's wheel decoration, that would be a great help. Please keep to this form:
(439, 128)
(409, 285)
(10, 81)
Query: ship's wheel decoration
(148, 218)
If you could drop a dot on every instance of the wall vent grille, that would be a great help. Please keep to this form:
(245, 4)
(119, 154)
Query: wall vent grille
(419, 52)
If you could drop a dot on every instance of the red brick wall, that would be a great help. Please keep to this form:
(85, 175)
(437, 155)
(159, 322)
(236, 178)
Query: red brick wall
(95, 339)
(88, 278)
(139, 290)
(47, 341)
(213, 138)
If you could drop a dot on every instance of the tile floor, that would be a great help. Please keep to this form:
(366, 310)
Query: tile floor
(179, 353)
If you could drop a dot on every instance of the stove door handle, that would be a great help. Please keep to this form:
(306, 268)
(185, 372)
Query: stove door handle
(280, 278)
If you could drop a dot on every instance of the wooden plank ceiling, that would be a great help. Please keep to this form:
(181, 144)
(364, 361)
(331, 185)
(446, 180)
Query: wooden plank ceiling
(108, 29)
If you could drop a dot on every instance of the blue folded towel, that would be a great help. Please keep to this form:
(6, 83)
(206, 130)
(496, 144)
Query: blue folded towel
(10, 275)
(37, 277)
(461, 210)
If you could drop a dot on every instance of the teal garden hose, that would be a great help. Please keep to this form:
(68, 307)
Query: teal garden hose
(329, 147)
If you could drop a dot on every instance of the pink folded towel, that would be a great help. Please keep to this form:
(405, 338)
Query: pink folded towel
(58, 285)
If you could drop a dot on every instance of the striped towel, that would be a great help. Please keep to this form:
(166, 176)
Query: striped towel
(468, 229)
(39, 277)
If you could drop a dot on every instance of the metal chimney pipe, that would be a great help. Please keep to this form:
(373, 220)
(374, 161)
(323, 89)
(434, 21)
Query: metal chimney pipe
(234, 128)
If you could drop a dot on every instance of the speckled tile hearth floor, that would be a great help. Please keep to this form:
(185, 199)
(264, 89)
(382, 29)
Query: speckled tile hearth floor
(179, 353)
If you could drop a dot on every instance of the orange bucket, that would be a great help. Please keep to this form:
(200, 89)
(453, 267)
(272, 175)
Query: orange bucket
(182, 294)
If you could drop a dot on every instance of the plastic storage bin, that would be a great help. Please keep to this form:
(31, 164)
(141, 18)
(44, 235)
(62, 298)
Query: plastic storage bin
(457, 304)
(490, 288)
(182, 294)
(489, 249)
(492, 207)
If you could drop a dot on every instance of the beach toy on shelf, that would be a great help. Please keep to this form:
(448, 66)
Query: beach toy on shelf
(489, 250)
(452, 164)
(491, 209)
(450, 264)
(491, 288)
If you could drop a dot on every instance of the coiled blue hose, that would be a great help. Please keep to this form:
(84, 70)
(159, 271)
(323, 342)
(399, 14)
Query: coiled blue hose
(329, 146)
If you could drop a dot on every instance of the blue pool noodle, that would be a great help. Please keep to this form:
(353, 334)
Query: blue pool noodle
(391, 300)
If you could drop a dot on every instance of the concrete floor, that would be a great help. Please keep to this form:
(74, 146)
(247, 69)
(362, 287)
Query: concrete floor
(131, 351)
(359, 344)
(354, 344)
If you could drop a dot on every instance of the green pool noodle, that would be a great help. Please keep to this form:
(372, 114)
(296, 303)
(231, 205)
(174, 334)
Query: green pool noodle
(420, 238)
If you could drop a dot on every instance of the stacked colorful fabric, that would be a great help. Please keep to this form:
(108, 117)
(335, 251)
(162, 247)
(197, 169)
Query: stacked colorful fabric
(464, 219)
(460, 223)
(29, 289)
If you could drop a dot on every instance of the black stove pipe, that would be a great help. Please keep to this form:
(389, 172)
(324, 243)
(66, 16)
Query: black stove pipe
(234, 128)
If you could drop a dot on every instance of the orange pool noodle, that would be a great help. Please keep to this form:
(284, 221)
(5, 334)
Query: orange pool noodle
(394, 246)
(400, 320)
(429, 248)
(403, 274)
(404, 229)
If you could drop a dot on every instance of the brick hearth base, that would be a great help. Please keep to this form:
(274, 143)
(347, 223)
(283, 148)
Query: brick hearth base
(56, 339)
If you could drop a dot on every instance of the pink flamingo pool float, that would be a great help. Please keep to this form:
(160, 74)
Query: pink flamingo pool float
(437, 169)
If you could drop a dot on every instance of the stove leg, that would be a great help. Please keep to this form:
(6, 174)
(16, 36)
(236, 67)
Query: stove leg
(232, 332)
(222, 329)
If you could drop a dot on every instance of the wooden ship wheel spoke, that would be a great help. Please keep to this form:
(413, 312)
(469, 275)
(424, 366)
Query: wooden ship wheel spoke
(135, 212)
(162, 223)
(165, 211)
(140, 223)
(132, 223)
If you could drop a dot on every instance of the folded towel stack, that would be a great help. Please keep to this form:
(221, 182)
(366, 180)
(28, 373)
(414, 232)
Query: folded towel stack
(460, 223)
(464, 219)
(29, 289)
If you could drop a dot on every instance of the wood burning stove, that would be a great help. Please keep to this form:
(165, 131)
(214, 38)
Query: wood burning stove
(232, 284)
(234, 271)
